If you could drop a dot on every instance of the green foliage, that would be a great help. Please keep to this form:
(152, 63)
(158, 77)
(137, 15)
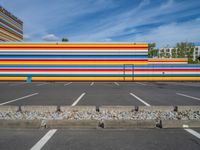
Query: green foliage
(185, 50)
(65, 40)
(174, 53)
(152, 51)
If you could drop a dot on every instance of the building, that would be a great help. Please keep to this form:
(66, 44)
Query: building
(169, 52)
(11, 28)
(196, 52)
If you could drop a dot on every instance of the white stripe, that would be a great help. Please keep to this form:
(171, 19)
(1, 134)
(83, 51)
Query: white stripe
(44, 140)
(45, 73)
(92, 84)
(77, 50)
(18, 99)
(74, 53)
(41, 84)
(140, 83)
(140, 99)
(188, 96)
(79, 98)
(67, 83)
(116, 83)
(196, 134)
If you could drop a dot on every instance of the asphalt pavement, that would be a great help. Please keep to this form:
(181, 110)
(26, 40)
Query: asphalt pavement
(138, 139)
(98, 94)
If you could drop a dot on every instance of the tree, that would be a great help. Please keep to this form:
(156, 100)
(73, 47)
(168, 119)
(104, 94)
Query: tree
(65, 40)
(198, 58)
(152, 51)
(174, 53)
(185, 50)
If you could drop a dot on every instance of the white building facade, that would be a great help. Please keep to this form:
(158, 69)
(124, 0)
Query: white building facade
(169, 52)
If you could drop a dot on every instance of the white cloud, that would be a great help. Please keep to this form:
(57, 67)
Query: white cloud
(171, 34)
(50, 38)
(108, 40)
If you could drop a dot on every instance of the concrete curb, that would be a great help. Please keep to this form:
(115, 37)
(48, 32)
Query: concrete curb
(156, 108)
(21, 124)
(73, 124)
(78, 108)
(116, 108)
(187, 108)
(128, 124)
(180, 124)
(42, 109)
(7, 108)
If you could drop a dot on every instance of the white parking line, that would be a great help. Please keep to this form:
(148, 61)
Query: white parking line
(196, 134)
(186, 128)
(188, 96)
(18, 99)
(140, 83)
(44, 140)
(67, 83)
(92, 84)
(41, 84)
(140, 99)
(116, 83)
(79, 98)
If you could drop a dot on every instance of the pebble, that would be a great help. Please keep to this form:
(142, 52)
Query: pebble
(109, 115)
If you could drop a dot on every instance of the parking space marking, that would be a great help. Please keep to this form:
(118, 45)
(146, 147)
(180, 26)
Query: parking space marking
(67, 83)
(79, 98)
(145, 103)
(92, 84)
(116, 83)
(41, 84)
(18, 99)
(196, 134)
(188, 96)
(140, 83)
(44, 140)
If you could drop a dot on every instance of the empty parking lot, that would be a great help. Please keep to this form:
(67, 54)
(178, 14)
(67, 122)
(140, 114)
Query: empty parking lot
(98, 94)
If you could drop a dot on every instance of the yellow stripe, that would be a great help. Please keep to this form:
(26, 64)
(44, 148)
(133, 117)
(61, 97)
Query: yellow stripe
(7, 37)
(166, 78)
(13, 78)
(11, 34)
(17, 26)
(69, 63)
(74, 45)
(79, 78)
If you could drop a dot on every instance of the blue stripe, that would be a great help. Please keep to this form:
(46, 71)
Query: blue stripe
(76, 56)
(102, 75)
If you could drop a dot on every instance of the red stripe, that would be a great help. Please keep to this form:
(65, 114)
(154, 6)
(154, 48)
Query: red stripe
(166, 70)
(79, 48)
(14, 28)
(12, 32)
(71, 60)
(87, 70)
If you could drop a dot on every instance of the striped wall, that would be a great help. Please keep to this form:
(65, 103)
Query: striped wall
(69, 61)
(11, 28)
(87, 62)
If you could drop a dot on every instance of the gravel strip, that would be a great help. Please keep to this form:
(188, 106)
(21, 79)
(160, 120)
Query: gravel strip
(108, 115)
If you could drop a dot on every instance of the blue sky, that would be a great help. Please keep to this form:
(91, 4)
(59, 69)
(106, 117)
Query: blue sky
(165, 22)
